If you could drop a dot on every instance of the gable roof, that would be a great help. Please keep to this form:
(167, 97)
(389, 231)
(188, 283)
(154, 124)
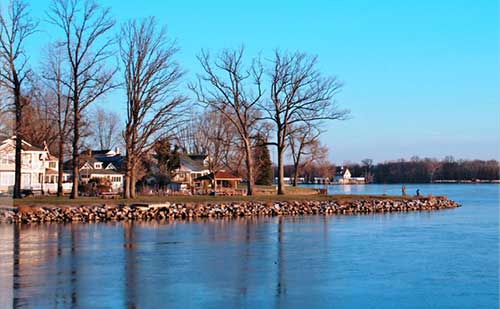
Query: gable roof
(219, 175)
(115, 162)
(340, 170)
(186, 163)
(102, 172)
(25, 146)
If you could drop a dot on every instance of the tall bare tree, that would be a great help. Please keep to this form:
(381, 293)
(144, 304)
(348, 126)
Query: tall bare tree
(105, 128)
(54, 76)
(85, 26)
(38, 125)
(299, 94)
(15, 27)
(302, 143)
(154, 106)
(233, 90)
(208, 133)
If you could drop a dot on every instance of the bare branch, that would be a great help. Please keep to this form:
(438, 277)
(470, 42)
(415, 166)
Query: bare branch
(154, 106)
(233, 90)
(299, 95)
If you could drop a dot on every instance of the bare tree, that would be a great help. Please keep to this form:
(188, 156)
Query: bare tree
(54, 75)
(367, 167)
(85, 26)
(208, 133)
(15, 27)
(154, 106)
(38, 126)
(302, 141)
(299, 94)
(5, 125)
(233, 90)
(105, 128)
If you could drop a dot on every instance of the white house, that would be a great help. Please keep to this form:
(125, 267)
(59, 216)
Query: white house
(191, 167)
(39, 169)
(98, 164)
(342, 175)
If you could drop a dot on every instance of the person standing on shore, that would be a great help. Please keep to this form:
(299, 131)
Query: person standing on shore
(403, 190)
(418, 192)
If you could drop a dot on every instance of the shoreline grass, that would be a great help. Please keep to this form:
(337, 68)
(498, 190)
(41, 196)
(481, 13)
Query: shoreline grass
(87, 201)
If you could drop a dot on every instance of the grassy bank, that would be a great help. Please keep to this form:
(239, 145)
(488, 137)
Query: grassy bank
(50, 200)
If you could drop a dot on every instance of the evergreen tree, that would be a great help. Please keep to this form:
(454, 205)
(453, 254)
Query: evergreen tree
(168, 159)
(263, 165)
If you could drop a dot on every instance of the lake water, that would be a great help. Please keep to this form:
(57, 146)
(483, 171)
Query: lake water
(442, 259)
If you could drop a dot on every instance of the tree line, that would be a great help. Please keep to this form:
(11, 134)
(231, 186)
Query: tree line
(415, 170)
(427, 170)
(245, 103)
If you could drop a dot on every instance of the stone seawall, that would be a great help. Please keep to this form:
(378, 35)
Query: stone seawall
(167, 211)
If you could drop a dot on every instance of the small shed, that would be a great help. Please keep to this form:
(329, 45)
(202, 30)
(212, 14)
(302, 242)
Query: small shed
(220, 181)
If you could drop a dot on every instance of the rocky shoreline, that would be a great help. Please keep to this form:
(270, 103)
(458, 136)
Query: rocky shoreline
(171, 211)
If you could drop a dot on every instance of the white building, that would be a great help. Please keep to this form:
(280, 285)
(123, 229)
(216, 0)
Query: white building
(190, 168)
(344, 176)
(39, 169)
(101, 164)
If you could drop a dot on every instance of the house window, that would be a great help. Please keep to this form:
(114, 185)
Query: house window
(26, 158)
(6, 179)
(98, 165)
(52, 164)
(7, 159)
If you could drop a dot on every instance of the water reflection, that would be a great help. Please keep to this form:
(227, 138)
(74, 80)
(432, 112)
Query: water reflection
(314, 261)
(136, 263)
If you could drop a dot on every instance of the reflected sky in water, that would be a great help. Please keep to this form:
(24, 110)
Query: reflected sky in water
(444, 259)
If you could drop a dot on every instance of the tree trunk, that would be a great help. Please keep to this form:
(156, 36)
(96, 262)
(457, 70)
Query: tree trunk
(295, 174)
(60, 166)
(249, 165)
(126, 187)
(133, 180)
(76, 153)
(281, 170)
(19, 142)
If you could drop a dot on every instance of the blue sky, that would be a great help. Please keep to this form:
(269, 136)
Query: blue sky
(421, 77)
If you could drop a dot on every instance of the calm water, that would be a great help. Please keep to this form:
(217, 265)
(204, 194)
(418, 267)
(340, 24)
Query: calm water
(444, 259)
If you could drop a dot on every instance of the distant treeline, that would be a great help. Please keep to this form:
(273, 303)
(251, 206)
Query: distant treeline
(415, 170)
(428, 170)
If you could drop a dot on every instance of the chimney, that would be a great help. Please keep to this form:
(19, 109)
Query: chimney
(117, 150)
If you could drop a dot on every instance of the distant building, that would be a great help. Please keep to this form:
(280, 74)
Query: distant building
(343, 176)
(289, 180)
(39, 169)
(97, 164)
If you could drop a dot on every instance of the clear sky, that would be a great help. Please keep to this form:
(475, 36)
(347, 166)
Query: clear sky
(421, 77)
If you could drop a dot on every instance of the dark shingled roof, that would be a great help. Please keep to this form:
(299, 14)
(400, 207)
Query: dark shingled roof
(222, 175)
(188, 163)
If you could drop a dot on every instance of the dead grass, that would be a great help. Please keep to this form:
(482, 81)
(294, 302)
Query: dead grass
(57, 201)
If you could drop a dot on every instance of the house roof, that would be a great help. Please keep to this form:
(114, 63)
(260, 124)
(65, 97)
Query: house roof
(197, 157)
(186, 163)
(340, 170)
(102, 172)
(117, 161)
(25, 146)
(220, 175)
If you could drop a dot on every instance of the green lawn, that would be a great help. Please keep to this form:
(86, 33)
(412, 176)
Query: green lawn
(52, 200)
